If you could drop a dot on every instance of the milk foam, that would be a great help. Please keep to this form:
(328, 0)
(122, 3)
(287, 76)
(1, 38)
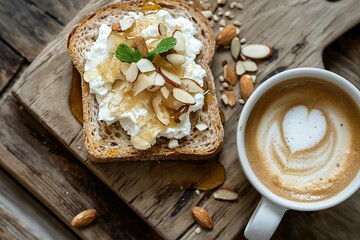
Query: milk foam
(303, 129)
(302, 145)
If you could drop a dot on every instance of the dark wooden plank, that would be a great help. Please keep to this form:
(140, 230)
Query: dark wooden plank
(10, 229)
(22, 217)
(62, 10)
(150, 195)
(56, 178)
(343, 55)
(25, 27)
(9, 64)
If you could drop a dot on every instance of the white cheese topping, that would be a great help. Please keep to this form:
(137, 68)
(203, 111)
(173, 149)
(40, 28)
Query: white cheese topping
(106, 96)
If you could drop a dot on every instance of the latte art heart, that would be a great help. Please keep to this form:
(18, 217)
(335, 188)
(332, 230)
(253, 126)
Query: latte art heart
(303, 129)
(303, 140)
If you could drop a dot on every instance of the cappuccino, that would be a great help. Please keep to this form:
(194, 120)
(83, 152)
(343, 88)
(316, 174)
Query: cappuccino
(302, 139)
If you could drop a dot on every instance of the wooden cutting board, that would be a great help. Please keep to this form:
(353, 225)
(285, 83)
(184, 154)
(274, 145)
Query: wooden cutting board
(298, 30)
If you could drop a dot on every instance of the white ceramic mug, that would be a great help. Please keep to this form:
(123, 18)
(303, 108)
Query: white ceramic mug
(272, 207)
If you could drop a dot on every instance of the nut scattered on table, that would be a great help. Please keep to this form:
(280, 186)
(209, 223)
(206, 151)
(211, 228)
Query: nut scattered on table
(225, 194)
(230, 75)
(202, 217)
(246, 86)
(225, 37)
(84, 218)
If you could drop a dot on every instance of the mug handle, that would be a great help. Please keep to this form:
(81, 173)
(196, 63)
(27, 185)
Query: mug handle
(264, 220)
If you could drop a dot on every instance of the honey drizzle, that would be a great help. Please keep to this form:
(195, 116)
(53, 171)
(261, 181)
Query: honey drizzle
(131, 103)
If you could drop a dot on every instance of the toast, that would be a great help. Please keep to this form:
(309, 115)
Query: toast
(108, 143)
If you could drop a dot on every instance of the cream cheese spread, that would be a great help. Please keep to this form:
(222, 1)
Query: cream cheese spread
(108, 95)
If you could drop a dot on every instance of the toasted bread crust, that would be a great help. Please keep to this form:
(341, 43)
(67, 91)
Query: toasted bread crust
(111, 143)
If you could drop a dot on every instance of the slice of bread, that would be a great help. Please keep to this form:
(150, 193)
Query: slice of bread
(111, 143)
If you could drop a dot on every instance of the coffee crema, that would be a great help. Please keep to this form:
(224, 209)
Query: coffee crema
(302, 139)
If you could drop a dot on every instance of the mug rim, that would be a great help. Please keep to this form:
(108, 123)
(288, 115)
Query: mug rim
(317, 73)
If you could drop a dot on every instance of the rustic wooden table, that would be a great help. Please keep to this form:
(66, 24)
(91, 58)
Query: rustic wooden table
(26, 28)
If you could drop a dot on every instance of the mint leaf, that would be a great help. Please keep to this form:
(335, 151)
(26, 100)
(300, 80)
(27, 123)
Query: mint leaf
(126, 54)
(164, 45)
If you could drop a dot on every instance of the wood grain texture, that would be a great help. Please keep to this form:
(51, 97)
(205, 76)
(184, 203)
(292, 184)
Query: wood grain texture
(9, 64)
(18, 210)
(40, 163)
(61, 10)
(25, 27)
(297, 40)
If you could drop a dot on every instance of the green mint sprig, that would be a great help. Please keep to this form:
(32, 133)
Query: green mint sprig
(126, 54)
(164, 45)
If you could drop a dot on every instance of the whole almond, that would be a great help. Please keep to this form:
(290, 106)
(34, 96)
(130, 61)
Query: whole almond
(202, 217)
(226, 35)
(246, 86)
(230, 75)
(84, 218)
(140, 44)
(231, 98)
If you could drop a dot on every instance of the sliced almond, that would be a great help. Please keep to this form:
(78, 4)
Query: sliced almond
(221, 2)
(256, 51)
(162, 29)
(222, 23)
(140, 143)
(139, 43)
(176, 59)
(153, 88)
(225, 194)
(165, 92)
(84, 218)
(246, 86)
(91, 74)
(202, 217)
(192, 86)
(180, 46)
(180, 113)
(215, 18)
(183, 96)
(173, 143)
(226, 35)
(231, 98)
(132, 72)
(151, 75)
(239, 6)
(253, 78)
(142, 83)
(126, 23)
(124, 66)
(239, 68)
(242, 57)
(237, 23)
(159, 80)
(220, 11)
(235, 47)
(201, 126)
(230, 75)
(145, 65)
(249, 65)
(160, 111)
(207, 13)
(224, 99)
(232, 5)
(170, 77)
(229, 14)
